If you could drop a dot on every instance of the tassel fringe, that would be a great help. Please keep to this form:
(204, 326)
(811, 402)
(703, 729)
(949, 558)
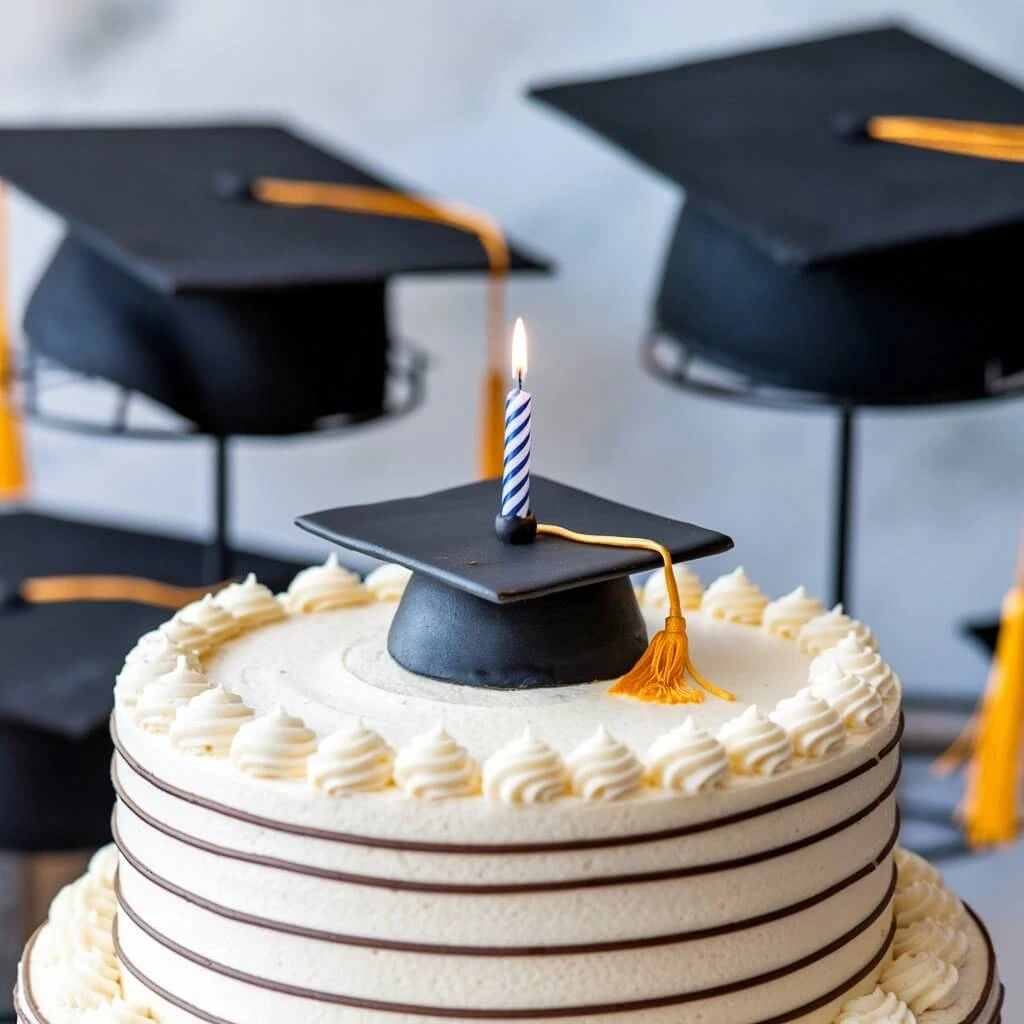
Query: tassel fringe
(660, 676)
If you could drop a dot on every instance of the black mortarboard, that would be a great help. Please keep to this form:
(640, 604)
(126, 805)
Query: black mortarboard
(482, 612)
(244, 316)
(810, 258)
(60, 661)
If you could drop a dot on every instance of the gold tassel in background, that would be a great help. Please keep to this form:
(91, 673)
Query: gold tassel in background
(993, 774)
(12, 460)
(965, 138)
(659, 677)
(386, 203)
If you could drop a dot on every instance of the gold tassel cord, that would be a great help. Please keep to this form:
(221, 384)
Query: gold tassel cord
(134, 589)
(993, 783)
(12, 461)
(387, 203)
(660, 675)
(977, 139)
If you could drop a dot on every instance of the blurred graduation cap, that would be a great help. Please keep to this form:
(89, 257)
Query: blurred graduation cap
(60, 660)
(235, 273)
(560, 610)
(812, 252)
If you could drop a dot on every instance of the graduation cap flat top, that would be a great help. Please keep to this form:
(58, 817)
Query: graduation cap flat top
(243, 316)
(905, 289)
(482, 612)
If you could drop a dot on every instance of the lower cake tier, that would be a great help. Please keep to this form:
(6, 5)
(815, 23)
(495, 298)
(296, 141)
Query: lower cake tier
(75, 975)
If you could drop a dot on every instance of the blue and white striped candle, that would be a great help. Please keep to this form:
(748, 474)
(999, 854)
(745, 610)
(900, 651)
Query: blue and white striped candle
(515, 479)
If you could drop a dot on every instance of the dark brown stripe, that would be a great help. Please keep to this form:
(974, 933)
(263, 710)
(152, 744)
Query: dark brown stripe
(668, 874)
(507, 848)
(990, 977)
(616, 946)
(26, 988)
(558, 1012)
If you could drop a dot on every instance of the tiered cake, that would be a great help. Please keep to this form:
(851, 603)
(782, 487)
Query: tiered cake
(306, 831)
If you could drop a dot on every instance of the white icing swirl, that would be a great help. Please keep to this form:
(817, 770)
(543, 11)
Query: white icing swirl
(103, 866)
(756, 745)
(185, 634)
(912, 867)
(734, 598)
(525, 771)
(858, 705)
(785, 615)
(91, 930)
(250, 603)
(353, 759)
(275, 746)
(852, 655)
(947, 941)
(118, 1012)
(827, 630)
(433, 766)
(214, 623)
(159, 657)
(922, 900)
(602, 768)
(388, 582)
(144, 647)
(921, 980)
(161, 699)
(90, 979)
(322, 587)
(209, 722)
(813, 724)
(655, 591)
(80, 897)
(876, 1007)
(687, 759)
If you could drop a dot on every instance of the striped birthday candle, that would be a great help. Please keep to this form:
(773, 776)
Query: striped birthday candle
(515, 480)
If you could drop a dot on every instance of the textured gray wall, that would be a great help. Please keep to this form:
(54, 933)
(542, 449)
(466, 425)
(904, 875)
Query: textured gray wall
(433, 94)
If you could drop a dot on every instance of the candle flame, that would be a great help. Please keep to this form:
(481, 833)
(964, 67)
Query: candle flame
(519, 350)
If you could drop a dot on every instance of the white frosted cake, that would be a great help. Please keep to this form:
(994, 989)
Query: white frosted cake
(307, 832)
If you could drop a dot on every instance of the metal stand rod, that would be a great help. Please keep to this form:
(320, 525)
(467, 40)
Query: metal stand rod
(218, 554)
(844, 500)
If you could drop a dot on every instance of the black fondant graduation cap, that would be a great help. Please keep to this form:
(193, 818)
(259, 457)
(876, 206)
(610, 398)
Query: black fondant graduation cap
(245, 316)
(482, 612)
(59, 664)
(809, 257)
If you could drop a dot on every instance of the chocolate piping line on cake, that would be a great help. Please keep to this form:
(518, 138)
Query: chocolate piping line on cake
(531, 1013)
(568, 846)
(668, 874)
(615, 946)
(990, 976)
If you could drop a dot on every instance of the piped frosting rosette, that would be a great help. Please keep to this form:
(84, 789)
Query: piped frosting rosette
(655, 590)
(388, 582)
(209, 722)
(202, 625)
(858, 705)
(117, 1012)
(603, 768)
(735, 598)
(948, 941)
(353, 759)
(687, 759)
(324, 587)
(433, 766)
(161, 700)
(814, 726)
(90, 979)
(274, 746)
(877, 1007)
(787, 614)
(853, 655)
(756, 745)
(525, 771)
(250, 603)
(148, 662)
(921, 980)
(827, 630)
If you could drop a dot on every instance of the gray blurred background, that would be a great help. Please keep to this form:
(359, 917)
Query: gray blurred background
(433, 95)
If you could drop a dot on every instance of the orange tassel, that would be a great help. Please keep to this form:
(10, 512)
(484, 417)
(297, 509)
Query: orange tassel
(12, 461)
(659, 677)
(993, 789)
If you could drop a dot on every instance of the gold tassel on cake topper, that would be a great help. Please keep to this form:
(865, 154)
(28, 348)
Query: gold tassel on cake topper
(12, 462)
(659, 677)
(992, 799)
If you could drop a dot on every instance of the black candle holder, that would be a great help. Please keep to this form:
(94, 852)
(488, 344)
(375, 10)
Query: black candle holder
(516, 529)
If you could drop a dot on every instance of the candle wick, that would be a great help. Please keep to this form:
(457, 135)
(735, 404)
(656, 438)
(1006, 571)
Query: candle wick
(519, 379)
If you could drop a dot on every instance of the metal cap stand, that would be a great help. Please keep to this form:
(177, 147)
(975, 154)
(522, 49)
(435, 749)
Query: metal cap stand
(671, 361)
